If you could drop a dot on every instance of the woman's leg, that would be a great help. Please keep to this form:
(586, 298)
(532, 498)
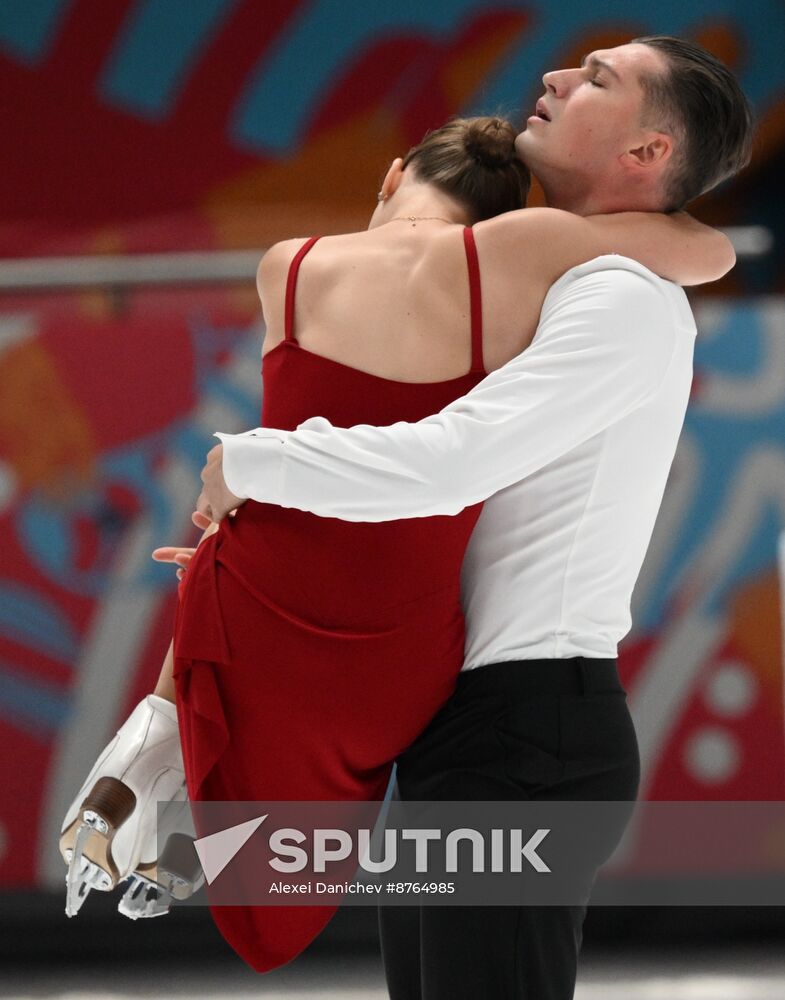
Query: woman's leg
(165, 686)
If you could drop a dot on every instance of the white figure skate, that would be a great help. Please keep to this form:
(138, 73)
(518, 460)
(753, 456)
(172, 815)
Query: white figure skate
(176, 874)
(108, 824)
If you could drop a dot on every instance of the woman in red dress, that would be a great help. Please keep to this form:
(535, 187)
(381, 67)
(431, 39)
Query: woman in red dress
(309, 652)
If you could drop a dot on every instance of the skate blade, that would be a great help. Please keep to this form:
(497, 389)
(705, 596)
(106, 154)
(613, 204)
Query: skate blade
(144, 898)
(83, 874)
(155, 886)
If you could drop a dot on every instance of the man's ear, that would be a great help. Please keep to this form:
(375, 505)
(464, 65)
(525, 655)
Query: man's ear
(656, 151)
(392, 178)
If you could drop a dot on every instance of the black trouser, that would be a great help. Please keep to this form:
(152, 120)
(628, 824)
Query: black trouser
(527, 729)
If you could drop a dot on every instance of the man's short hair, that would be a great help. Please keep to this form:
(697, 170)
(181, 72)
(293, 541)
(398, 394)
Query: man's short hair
(699, 102)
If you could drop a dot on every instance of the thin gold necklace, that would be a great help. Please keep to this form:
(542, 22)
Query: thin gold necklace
(420, 218)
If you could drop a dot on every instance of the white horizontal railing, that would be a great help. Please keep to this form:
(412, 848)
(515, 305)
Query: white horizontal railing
(210, 266)
(202, 267)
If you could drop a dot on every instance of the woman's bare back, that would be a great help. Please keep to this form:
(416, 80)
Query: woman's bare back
(396, 304)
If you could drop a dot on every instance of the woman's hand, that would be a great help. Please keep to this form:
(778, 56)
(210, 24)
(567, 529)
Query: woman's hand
(181, 555)
(172, 554)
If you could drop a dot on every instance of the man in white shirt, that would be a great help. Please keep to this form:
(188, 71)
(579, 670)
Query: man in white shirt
(569, 445)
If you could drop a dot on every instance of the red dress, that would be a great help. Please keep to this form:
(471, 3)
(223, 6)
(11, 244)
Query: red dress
(309, 652)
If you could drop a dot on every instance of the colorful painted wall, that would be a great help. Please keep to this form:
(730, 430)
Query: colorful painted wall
(149, 124)
(142, 125)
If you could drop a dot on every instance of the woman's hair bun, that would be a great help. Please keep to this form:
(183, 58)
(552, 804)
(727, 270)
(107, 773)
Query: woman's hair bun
(491, 141)
(473, 161)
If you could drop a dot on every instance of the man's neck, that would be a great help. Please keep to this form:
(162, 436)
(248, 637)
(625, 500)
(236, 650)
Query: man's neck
(592, 200)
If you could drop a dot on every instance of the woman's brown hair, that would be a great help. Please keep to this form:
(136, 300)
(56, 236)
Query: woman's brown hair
(473, 160)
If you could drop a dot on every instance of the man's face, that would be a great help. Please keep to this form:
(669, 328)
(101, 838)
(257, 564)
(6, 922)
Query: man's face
(589, 116)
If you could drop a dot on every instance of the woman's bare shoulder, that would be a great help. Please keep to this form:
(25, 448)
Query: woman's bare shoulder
(275, 262)
(271, 283)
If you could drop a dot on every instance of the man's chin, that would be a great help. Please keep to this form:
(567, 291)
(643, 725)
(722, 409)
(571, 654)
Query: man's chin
(525, 145)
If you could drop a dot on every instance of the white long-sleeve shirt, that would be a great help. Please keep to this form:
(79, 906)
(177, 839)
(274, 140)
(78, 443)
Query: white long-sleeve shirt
(569, 444)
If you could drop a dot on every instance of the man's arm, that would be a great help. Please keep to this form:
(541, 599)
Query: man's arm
(605, 340)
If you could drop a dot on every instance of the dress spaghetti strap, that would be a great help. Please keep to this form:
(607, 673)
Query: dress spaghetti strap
(475, 295)
(291, 287)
